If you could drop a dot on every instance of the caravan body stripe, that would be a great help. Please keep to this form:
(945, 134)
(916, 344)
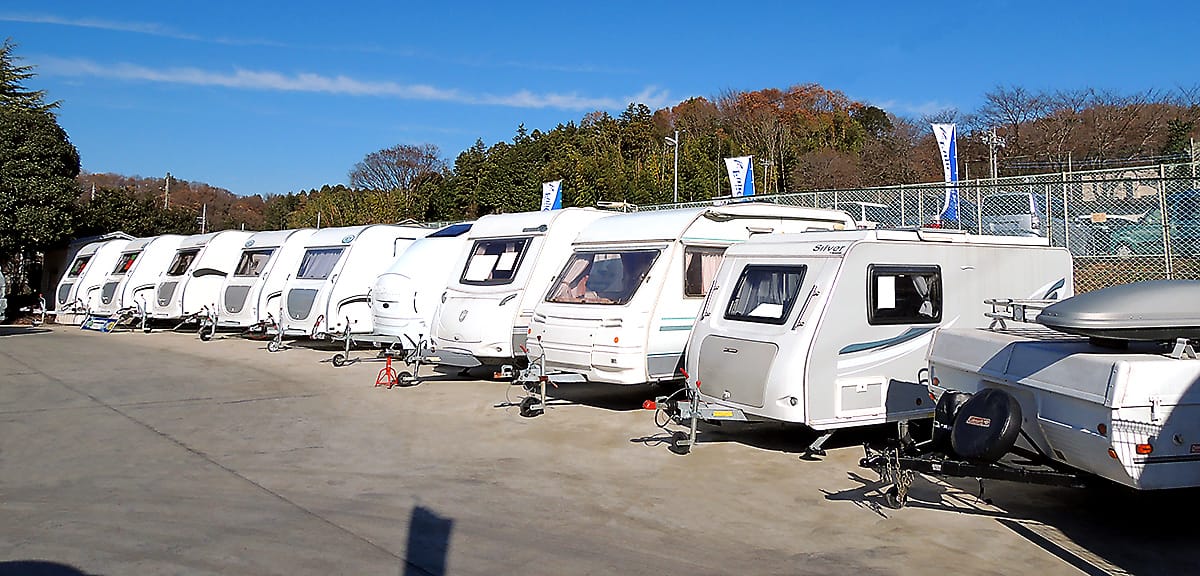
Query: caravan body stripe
(905, 337)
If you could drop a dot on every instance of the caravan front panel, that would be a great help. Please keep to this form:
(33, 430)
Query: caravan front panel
(483, 323)
(312, 283)
(594, 319)
(132, 281)
(405, 298)
(253, 293)
(79, 291)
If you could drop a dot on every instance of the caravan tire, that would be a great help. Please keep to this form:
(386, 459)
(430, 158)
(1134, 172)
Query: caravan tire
(986, 425)
(947, 408)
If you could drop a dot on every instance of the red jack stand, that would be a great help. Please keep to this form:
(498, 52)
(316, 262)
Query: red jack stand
(387, 376)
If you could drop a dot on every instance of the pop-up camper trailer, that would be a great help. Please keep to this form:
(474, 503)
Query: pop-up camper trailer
(830, 329)
(1103, 385)
(621, 308)
(508, 265)
(191, 285)
(253, 295)
(406, 296)
(78, 292)
(327, 295)
(126, 293)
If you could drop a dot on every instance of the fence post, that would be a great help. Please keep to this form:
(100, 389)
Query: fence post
(979, 209)
(1046, 199)
(1162, 210)
(920, 208)
(1066, 213)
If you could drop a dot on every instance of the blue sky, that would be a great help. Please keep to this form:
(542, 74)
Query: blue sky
(276, 97)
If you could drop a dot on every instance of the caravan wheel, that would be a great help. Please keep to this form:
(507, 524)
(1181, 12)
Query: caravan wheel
(273, 346)
(339, 360)
(527, 409)
(679, 443)
(205, 335)
(892, 498)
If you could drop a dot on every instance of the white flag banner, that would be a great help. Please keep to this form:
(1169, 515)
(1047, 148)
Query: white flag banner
(551, 195)
(741, 175)
(946, 136)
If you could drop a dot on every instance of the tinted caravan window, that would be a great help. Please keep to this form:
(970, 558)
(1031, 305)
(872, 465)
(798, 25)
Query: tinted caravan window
(611, 277)
(183, 261)
(78, 266)
(765, 294)
(318, 263)
(904, 294)
(253, 262)
(125, 263)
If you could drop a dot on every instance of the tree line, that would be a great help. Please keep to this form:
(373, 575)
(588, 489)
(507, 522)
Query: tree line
(803, 137)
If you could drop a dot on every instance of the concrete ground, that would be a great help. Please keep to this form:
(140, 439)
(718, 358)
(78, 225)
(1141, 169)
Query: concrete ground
(129, 453)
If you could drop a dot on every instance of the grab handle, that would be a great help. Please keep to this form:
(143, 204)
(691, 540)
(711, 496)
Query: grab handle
(800, 317)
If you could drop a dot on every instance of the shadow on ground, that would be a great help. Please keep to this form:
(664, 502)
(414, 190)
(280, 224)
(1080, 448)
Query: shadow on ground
(15, 330)
(38, 568)
(1104, 528)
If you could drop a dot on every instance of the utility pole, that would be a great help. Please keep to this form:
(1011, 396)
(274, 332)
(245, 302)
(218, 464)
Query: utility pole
(167, 193)
(203, 219)
(993, 142)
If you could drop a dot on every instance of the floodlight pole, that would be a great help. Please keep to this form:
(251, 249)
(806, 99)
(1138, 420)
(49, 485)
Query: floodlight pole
(675, 142)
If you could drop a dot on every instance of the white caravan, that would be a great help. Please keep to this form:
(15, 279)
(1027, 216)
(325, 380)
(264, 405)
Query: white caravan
(78, 291)
(253, 295)
(621, 308)
(133, 277)
(504, 272)
(328, 293)
(831, 329)
(405, 297)
(191, 284)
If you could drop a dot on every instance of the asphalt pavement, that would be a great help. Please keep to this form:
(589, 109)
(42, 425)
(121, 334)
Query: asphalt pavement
(131, 453)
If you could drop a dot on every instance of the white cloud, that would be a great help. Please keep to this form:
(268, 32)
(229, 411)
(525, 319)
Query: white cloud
(343, 85)
(147, 28)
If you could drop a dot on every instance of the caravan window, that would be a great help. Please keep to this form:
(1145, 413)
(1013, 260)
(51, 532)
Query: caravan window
(904, 294)
(78, 266)
(125, 263)
(494, 261)
(699, 268)
(602, 277)
(765, 294)
(183, 261)
(318, 263)
(253, 262)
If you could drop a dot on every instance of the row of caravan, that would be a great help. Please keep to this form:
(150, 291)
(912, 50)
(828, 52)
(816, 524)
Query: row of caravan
(749, 311)
(298, 281)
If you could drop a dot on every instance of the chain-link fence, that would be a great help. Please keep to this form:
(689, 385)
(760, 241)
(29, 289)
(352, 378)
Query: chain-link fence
(1122, 225)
